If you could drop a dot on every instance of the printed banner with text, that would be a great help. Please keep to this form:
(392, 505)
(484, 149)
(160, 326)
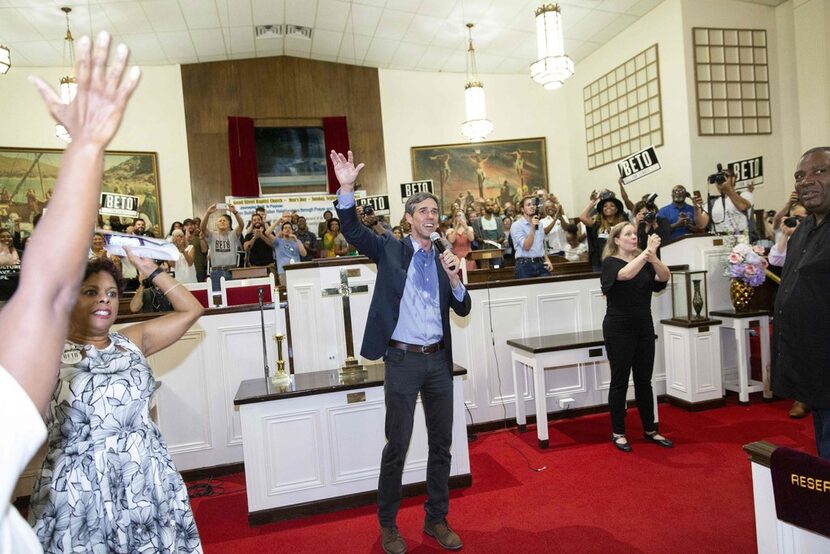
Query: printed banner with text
(639, 165)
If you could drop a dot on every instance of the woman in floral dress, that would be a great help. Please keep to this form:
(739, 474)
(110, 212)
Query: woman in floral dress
(108, 483)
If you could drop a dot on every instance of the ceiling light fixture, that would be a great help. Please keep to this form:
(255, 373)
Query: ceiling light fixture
(69, 85)
(553, 66)
(5, 59)
(477, 126)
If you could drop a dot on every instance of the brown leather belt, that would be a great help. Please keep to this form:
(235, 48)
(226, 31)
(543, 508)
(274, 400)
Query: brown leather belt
(425, 349)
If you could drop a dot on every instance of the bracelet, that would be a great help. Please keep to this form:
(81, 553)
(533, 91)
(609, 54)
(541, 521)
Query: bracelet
(154, 274)
(171, 288)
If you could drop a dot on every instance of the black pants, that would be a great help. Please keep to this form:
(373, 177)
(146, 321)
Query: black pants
(407, 374)
(629, 342)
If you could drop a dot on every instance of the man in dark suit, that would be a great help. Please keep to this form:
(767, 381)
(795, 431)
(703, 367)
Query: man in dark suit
(409, 325)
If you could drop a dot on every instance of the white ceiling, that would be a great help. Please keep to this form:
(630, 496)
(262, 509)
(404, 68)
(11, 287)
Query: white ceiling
(428, 35)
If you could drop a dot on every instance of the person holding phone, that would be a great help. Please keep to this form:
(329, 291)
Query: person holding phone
(682, 217)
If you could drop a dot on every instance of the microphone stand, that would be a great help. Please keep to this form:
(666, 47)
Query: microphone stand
(264, 348)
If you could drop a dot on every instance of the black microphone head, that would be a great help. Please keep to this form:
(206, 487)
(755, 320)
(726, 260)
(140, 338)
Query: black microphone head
(434, 236)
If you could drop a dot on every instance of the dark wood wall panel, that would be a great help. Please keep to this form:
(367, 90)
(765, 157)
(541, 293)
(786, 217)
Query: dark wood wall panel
(278, 91)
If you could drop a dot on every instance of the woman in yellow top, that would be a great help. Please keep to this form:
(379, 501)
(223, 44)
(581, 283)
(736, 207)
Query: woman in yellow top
(334, 243)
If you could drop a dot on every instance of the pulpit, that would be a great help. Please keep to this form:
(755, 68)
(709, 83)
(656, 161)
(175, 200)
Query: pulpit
(318, 323)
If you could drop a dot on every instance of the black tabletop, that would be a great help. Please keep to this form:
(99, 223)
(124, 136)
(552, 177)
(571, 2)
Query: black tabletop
(740, 315)
(252, 391)
(564, 341)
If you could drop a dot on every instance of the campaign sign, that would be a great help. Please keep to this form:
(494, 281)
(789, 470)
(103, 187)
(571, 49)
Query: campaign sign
(408, 189)
(639, 165)
(118, 204)
(748, 172)
(379, 203)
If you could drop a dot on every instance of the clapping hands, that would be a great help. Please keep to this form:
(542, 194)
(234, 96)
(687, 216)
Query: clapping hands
(651, 247)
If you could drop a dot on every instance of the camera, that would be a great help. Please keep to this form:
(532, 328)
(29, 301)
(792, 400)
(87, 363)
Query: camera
(650, 217)
(368, 209)
(792, 221)
(719, 177)
(606, 195)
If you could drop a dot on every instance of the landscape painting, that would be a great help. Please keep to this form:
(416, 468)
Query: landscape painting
(27, 178)
(503, 170)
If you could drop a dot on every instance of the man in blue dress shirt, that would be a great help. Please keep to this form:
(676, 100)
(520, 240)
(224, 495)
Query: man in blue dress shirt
(682, 217)
(409, 325)
(529, 242)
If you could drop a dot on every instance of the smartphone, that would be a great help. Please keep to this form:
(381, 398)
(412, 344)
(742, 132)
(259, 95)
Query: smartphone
(696, 194)
(221, 206)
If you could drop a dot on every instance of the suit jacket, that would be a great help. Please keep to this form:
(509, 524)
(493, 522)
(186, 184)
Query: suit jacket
(392, 258)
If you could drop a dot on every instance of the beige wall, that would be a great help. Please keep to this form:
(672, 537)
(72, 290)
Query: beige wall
(422, 109)
(154, 122)
(811, 21)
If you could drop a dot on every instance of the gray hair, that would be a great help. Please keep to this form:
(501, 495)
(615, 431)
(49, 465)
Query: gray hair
(177, 233)
(417, 198)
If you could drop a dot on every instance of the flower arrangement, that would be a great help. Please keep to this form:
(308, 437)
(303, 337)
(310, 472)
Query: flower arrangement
(747, 263)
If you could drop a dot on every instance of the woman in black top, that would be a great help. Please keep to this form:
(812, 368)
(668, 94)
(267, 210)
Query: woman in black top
(629, 277)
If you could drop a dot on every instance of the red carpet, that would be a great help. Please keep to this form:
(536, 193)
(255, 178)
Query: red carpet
(590, 498)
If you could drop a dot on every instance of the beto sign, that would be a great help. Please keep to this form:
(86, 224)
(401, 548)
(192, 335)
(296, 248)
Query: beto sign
(408, 189)
(639, 165)
(748, 172)
(379, 203)
(118, 204)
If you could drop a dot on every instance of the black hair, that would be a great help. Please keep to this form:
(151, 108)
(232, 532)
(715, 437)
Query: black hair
(105, 265)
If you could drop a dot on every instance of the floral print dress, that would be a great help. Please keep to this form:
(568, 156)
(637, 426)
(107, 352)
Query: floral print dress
(108, 483)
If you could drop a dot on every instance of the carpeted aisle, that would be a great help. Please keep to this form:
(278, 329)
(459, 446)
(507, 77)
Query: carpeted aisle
(590, 498)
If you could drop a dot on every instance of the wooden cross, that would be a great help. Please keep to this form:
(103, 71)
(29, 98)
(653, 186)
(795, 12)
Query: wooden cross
(345, 291)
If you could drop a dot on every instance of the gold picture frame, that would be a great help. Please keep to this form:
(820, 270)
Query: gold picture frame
(482, 169)
(27, 176)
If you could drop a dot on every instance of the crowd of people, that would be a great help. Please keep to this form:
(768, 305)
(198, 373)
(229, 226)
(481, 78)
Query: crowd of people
(108, 482)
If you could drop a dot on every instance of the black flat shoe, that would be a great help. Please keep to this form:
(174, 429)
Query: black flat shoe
(623, 446)
(665, 443)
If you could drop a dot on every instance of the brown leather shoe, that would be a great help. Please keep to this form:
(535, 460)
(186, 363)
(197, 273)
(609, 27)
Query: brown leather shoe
(799, 410)
(392, 541)
(445, 536)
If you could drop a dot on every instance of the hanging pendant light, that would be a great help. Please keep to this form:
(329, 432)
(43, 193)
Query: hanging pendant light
(5, 59)
(477, 126)
(69, 85)
(553, 66)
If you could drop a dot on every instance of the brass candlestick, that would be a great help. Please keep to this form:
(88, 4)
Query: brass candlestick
(280, 378)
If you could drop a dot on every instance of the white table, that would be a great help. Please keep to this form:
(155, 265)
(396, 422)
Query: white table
(550, 352)
(739, 323)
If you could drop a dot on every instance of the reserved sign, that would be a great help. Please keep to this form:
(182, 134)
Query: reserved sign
(748, 172)
(801, 485)
(639, 165)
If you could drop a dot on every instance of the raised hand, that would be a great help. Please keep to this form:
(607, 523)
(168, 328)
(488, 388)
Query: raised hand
(345, 170)
(94, 115)
(145, 266)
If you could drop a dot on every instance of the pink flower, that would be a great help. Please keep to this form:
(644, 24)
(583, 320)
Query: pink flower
(758, 249)
(735, 258)
(764, 263)
(750, 270)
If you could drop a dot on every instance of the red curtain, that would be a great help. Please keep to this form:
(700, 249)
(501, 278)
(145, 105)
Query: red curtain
(336, 135)
(242, 156)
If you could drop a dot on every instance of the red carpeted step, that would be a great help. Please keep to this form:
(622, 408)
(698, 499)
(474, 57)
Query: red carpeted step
(590, 497)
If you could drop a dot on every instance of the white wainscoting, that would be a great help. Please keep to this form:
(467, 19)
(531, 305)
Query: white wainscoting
(199, 376)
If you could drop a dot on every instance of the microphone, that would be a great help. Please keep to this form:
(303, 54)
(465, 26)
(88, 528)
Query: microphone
(441, 245)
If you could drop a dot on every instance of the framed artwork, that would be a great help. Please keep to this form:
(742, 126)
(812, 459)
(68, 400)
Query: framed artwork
(27, 177)
(505, 169)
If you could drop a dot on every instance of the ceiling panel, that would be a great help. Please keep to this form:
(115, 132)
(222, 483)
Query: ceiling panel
(425, 35)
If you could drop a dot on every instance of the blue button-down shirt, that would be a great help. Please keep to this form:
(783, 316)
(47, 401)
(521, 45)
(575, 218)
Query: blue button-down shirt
(672, 212)
(519, 231)
(419, 318)
(286, 251)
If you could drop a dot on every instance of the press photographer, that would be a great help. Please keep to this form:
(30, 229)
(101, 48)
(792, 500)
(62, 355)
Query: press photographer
(728, 210)
(649, 223)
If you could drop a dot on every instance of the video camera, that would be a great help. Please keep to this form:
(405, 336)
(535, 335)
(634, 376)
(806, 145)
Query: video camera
(368, 209)
(719, 177)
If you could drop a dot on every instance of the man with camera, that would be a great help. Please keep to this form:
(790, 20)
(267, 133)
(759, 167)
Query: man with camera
(649, 223)
(258, 244)
(728, 209)
(528, 240)
(366, 214)
(682, 217)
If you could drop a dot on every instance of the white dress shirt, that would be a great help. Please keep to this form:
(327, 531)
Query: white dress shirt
(21, 433)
